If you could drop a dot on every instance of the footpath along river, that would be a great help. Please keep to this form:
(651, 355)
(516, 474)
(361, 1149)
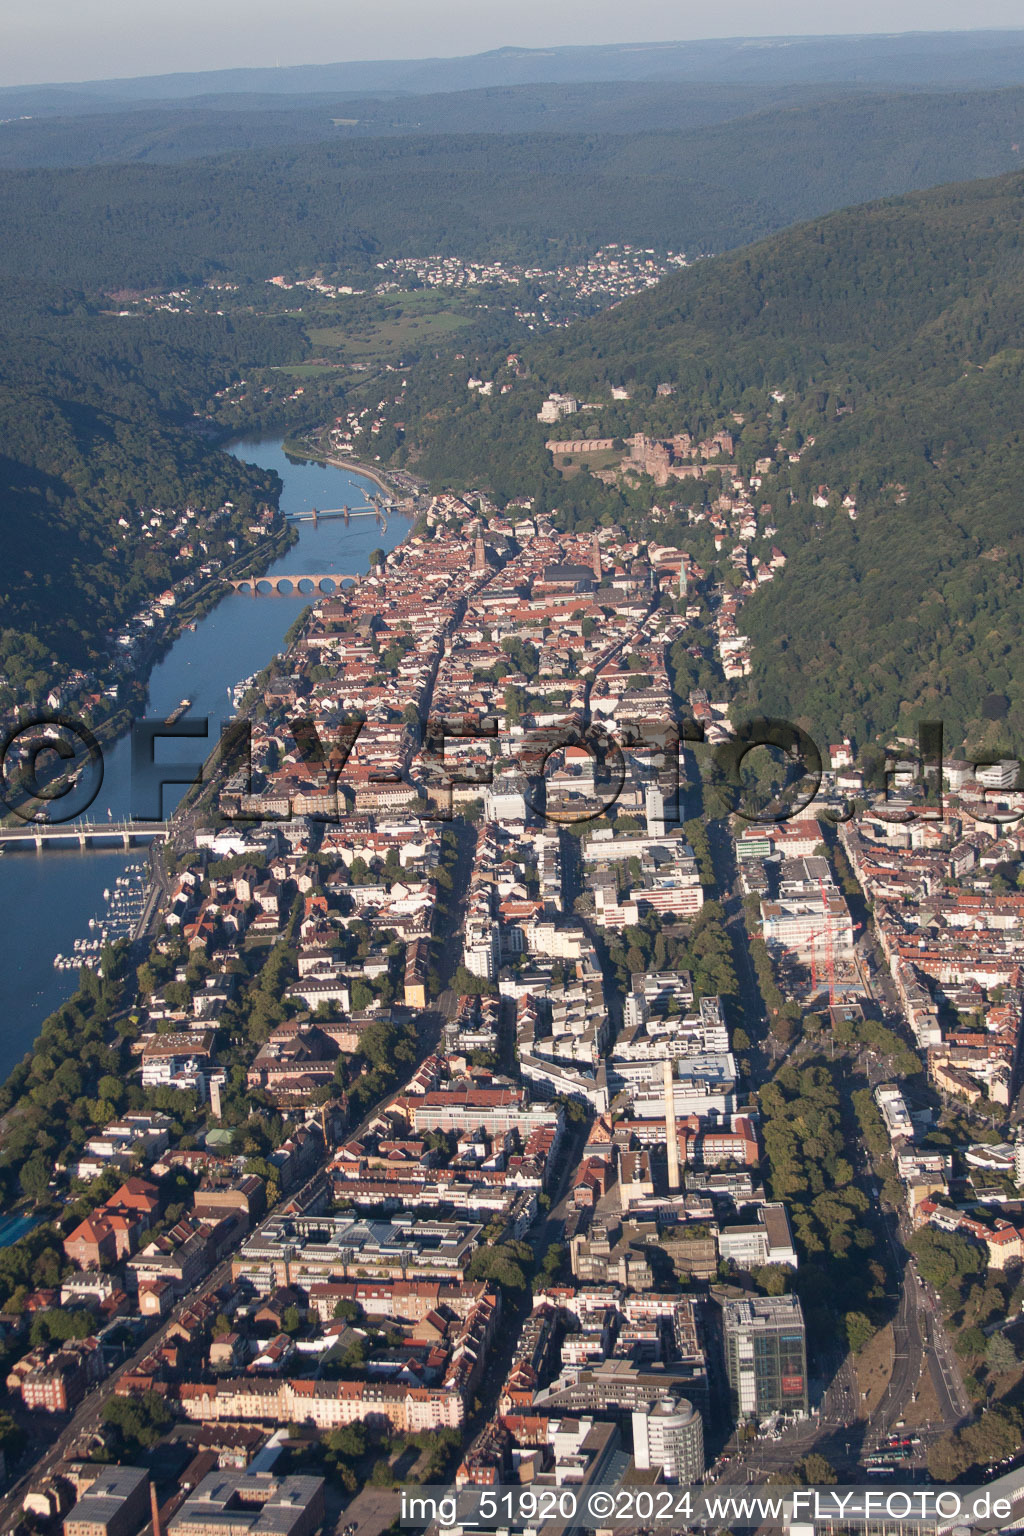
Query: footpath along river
(48, 898)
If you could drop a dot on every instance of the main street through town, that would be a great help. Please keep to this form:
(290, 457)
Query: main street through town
(837, 1430)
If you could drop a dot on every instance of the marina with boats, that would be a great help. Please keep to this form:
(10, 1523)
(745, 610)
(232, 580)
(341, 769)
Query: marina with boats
(123, 904)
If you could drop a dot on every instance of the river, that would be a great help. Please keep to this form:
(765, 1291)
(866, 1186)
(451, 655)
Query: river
(49, 897)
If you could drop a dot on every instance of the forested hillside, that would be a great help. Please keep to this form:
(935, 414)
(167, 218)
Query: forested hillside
(171, 132)
(893, 333)
(534, 197)
(93, 427)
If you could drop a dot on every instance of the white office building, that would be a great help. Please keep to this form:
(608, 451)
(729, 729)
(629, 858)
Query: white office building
(669, 1437)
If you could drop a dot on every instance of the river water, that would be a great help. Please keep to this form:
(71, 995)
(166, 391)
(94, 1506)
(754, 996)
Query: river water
(48, 898)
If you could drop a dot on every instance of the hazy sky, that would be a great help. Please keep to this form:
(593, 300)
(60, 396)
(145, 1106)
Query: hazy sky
(57, 40)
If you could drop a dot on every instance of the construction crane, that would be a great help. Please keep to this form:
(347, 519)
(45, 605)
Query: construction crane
(816, 975)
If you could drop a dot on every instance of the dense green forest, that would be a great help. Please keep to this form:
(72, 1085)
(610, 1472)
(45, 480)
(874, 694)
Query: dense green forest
(94, 426)
(893, 331)
(532, 197)
(176, 131)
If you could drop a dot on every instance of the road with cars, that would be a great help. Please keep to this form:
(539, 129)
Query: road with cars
(920, 1341)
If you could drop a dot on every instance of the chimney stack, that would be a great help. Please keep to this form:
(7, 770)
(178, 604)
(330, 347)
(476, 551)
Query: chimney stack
(154, 1505)
(671, 1138)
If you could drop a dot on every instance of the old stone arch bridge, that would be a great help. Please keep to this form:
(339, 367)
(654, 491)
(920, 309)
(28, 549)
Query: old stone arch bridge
(312, 583)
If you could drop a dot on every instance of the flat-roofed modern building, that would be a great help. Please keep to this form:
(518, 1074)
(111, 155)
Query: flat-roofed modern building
(232, 1503)
(618, 1386)
(767, 1240)
(299, 1250)
(765, 1355)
